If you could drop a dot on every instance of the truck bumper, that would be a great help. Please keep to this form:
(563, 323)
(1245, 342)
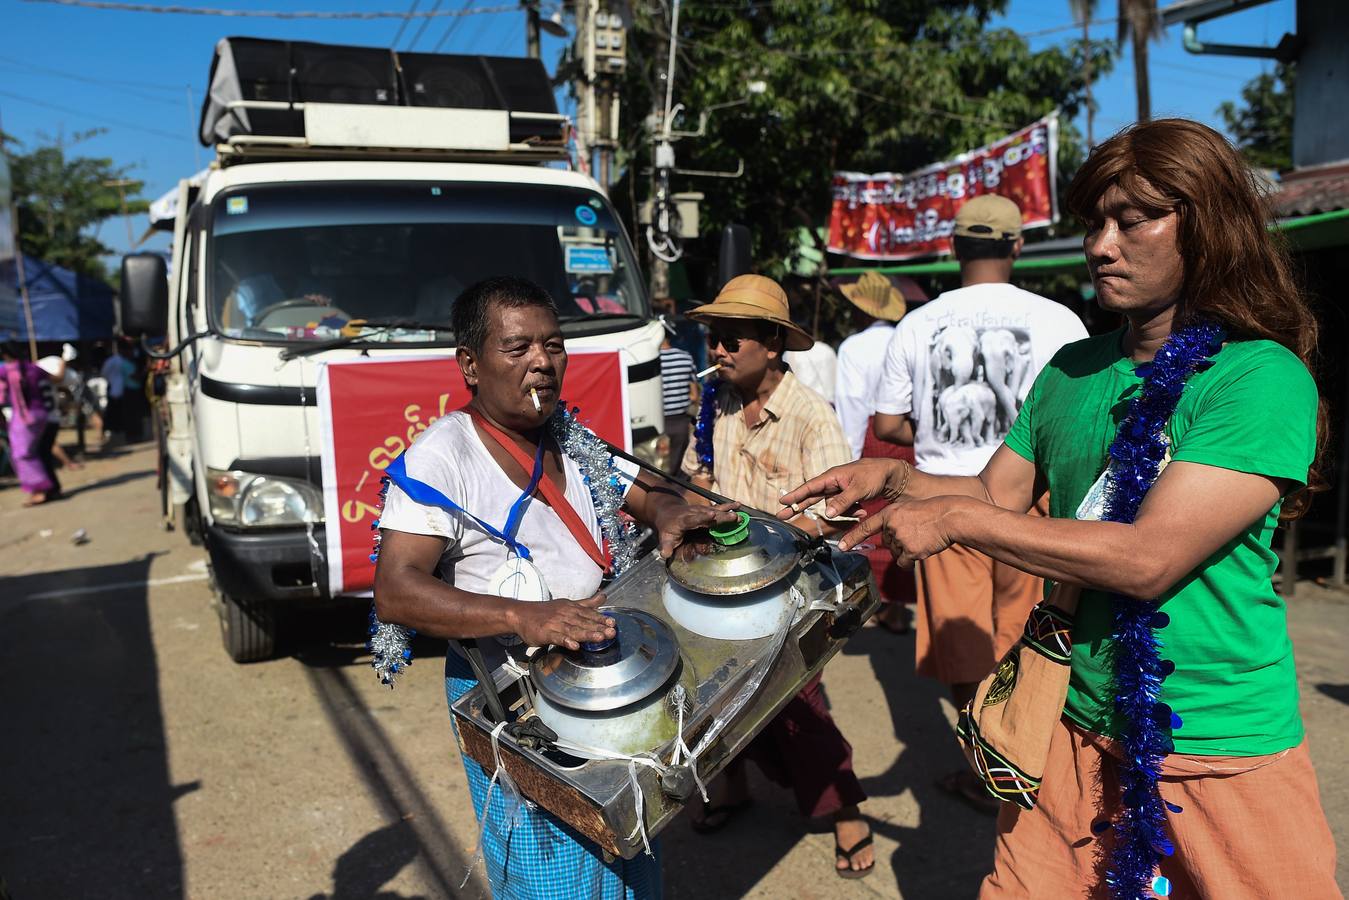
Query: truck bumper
(269, 565)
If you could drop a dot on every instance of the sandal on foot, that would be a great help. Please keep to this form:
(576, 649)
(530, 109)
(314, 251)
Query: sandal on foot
(847, 855)
(901, 629)
(967, 786)
(718, 817)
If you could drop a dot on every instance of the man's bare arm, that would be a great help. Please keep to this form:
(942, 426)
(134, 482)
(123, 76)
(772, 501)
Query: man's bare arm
(1191, 512)
(895, 429)
(1008, 481)
(408, 593)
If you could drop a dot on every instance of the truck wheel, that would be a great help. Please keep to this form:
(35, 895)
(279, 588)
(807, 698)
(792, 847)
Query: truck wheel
(247, 627)
(187, 521)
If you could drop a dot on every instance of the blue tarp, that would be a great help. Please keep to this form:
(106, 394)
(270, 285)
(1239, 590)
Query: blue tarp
(66, 306)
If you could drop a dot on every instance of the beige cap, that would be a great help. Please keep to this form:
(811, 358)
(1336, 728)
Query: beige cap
(754, 297)
(990, 217)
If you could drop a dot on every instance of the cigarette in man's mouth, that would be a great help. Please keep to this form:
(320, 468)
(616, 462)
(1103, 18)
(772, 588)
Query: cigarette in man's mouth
(534, 395)
(708, 371)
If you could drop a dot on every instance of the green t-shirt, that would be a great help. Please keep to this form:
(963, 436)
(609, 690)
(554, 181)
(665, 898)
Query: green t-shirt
(1254, 410)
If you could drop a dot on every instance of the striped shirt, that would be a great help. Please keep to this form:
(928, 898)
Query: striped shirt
(797, 437)
(676, 374)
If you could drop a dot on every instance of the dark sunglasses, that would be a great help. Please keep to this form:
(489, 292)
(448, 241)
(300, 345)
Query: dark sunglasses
(730, 342)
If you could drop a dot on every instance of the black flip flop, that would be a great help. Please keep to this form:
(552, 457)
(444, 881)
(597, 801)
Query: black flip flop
(846, 855)
(727, 811)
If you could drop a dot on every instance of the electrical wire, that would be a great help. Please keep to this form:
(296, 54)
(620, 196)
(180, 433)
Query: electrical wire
(450, 29)
(274, 13)
(402, 26)
(120, 123)
(149, 85)
(421, 29)
(47, 73)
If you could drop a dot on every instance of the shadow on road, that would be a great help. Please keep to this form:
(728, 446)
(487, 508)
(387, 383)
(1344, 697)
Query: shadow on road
(951, 849)
(113, 481)
(1338, 692)
(84, 780)
(417, 835)
(371, 863)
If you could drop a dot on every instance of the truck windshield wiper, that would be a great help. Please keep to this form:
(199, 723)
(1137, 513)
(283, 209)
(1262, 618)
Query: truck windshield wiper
(370, 328)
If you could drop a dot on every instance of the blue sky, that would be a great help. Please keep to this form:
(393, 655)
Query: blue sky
(65, 70)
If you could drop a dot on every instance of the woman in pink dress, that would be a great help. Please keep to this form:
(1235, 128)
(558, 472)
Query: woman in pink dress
(21, 389)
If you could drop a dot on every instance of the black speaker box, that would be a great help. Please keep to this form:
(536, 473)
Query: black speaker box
(328, 73)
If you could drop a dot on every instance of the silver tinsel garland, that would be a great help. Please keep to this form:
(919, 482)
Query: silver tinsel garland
(389, 644)
(602, 477)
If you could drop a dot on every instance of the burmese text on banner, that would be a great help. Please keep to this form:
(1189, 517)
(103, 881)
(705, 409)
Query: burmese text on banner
(371, 410)
(891, 217)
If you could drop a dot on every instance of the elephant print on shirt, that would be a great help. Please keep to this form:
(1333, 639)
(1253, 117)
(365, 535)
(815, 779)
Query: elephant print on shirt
(978, 378)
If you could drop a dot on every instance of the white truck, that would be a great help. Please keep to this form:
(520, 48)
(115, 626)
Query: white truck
(354, 193)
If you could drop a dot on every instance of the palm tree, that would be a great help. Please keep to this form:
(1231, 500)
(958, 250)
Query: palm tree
(1139, 24)
(1083, 12)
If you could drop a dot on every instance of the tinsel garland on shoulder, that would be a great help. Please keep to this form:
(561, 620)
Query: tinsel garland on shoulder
(706, 424)
(1136, 457)
(389, 644)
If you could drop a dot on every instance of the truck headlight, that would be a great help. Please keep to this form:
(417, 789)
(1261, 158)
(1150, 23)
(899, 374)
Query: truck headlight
(248, 500)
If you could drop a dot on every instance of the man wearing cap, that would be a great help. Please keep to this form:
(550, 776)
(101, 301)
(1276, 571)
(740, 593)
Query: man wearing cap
(956, 373)
(760, 434)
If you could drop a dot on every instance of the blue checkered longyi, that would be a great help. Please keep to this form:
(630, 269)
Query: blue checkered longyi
(542, 858)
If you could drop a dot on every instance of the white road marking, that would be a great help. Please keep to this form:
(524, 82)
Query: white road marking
(117, 586)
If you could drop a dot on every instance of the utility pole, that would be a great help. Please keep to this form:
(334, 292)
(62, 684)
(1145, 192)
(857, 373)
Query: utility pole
(534, 23)
(600, 54)
(122, 184)
(1086, 76)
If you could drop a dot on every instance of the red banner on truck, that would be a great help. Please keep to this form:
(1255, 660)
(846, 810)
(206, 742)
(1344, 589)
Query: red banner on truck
(371, 410)
(892, 217)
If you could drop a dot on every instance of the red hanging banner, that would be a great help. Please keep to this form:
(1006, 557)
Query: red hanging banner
(893, 217)
(371, 410)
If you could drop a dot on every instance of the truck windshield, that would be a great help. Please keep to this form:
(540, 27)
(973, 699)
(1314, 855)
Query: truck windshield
(299, 262)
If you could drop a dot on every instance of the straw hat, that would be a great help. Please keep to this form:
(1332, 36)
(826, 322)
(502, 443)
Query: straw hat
(877, 296)
(754, 297)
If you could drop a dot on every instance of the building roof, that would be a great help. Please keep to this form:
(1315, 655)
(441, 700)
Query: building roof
(1313, 189)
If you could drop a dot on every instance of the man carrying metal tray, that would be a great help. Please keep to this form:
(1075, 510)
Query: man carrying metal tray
(494, 528)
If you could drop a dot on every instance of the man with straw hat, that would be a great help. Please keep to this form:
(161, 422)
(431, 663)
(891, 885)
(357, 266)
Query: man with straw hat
(760, 432)
(878, 303)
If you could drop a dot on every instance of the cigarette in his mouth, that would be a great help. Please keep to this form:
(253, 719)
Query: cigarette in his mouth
(708, 371)
(534, 395)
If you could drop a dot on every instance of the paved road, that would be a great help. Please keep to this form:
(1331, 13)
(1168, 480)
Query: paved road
(139, 762)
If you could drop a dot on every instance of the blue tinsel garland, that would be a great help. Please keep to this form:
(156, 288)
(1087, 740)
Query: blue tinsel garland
(703, 428)
(389, 644)
(1135, 459)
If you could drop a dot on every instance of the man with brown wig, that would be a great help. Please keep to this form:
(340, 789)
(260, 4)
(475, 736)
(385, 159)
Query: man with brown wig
(1176, 242)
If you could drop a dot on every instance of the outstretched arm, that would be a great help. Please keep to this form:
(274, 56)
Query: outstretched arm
(1189, 514)
(1008, 481)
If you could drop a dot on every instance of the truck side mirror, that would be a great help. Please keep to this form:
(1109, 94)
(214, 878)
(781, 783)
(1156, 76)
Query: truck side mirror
(734, 257)
(145, 295)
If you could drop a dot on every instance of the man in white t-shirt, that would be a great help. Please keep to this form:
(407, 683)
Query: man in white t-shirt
(956, 373)
(816, 368)
(451, 575)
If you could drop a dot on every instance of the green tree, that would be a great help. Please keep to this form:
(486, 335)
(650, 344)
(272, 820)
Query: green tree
(1263, 123)
(867, 85)
(63, 199)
